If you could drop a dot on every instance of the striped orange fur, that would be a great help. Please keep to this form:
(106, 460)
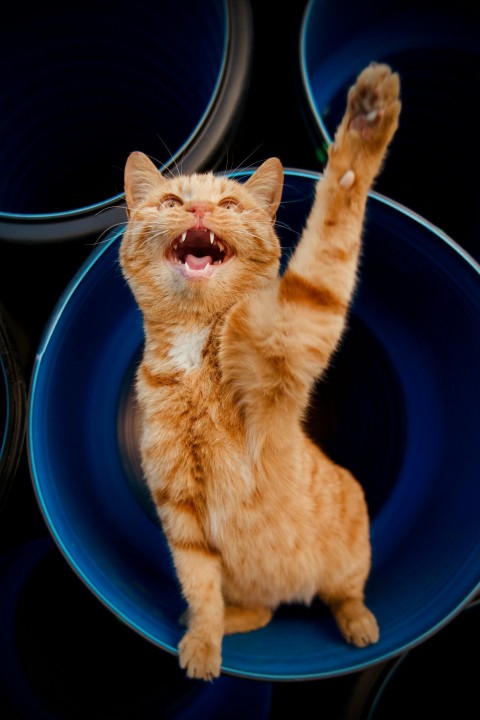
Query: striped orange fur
(254, 512)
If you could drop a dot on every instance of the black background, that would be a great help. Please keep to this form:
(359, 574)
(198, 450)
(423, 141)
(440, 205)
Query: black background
(101, 669)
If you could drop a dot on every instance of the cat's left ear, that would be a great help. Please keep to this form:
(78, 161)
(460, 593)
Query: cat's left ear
(266, 184)
(141, 178)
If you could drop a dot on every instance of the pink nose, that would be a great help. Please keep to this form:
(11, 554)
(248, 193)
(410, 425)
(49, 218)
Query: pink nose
(199, 208)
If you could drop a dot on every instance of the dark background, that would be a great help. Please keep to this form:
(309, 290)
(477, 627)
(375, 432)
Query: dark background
(100, 669)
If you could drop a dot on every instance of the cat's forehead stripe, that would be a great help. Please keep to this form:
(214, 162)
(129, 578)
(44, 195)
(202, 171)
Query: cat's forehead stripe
(190, 185)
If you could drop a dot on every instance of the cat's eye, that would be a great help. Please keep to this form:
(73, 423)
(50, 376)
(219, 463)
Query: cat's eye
(229, 204)
(170, 201)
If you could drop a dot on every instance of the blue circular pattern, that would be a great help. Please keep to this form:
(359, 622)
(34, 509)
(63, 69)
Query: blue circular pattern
(400, 406)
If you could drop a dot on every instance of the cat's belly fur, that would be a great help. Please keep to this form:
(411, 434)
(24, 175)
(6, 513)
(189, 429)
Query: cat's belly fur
(279, 537)
(275, 523)
(264, 570)
(269, 543)
(271, 550)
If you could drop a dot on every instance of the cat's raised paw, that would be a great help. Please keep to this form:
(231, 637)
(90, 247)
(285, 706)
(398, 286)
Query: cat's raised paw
(374, 105)
(200, 657)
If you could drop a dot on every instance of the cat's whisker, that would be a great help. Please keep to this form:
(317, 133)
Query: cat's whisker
(167, 170)
(109, 207)
(101, 239)
(159, 235)
(242, 167)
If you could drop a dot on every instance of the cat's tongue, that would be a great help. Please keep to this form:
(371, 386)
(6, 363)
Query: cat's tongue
(198, 263)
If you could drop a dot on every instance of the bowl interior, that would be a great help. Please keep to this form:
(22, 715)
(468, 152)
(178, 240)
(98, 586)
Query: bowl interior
(399, 407)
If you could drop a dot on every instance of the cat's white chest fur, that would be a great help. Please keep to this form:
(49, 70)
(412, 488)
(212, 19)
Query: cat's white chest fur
(186, 349)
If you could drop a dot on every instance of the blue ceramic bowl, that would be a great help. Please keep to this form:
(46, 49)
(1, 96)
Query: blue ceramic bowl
(83, 86)
(436, 50)
(400, 407)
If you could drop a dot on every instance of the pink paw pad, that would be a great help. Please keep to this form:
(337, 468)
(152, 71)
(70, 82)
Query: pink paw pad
(365, 121)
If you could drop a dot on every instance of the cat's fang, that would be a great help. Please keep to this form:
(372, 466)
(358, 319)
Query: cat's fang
(184, 235)
(212, 238)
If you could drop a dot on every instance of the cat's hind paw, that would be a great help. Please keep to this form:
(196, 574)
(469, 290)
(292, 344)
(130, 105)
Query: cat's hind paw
(199, 657)
(356, 623)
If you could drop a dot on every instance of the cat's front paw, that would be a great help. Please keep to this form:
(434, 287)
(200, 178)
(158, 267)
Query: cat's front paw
(199, 656)
(374, 105)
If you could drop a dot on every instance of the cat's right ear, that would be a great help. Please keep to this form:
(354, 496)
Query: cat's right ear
(141, 177)
(266, 184)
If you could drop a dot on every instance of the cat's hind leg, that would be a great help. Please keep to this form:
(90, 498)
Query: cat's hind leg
(245, 619)
(239, 619)
(347, 562)
(345, 599)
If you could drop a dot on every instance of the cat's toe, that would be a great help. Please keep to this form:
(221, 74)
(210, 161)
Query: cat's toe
(356, 623)
(199, 657)
(361, 630)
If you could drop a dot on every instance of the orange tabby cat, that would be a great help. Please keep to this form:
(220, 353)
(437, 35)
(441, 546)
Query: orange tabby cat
(254, 512)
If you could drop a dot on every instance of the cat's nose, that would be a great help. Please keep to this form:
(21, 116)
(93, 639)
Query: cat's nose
(200, 209)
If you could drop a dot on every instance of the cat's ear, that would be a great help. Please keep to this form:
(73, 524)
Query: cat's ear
(141, 177)
(266, 184)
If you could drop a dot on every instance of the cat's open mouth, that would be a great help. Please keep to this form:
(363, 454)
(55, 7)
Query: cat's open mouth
(198, 253)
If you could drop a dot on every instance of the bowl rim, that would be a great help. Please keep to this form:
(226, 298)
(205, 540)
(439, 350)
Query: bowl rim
(50, 329)
(198, 150)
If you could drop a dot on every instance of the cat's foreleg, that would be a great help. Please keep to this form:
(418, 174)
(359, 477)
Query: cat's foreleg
(323, 269)
(199, 571)
(199, 574)
(287, 333)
